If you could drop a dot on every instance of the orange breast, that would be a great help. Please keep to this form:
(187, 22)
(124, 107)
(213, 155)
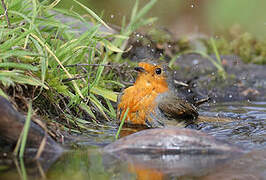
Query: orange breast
(140, 99)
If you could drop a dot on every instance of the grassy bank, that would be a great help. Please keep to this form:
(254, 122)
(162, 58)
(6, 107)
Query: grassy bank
(63, 68)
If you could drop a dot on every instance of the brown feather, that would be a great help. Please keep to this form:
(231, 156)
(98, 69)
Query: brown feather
(176, 108)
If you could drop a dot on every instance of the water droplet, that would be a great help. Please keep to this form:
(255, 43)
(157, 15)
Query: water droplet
(189, 90)
(230, 96)
(195, 62)
(112, 16)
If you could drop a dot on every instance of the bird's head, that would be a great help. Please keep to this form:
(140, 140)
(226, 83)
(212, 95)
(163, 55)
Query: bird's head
(152, 75)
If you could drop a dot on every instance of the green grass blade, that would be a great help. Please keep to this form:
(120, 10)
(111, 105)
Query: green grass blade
(114, 82)
(17, 53)
(111, 46)
(87, 109)
(13, 41)
(111, 108)
(2, 93)
(144, 10)
(121, 124)
(99, 71)
(53, 4)
(23, 169)
(134, 10)
(98, 104)
(104, 93)
(18, 66)
(216, 51)
(25, 131)
(18, 77)
(93, 14)
(33, 26)
(43, 58)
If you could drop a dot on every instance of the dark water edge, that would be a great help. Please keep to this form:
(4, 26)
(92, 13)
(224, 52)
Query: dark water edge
(89, 162)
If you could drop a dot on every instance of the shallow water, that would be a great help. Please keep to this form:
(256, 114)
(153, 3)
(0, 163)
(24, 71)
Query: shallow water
(249, 130)
(88, 162)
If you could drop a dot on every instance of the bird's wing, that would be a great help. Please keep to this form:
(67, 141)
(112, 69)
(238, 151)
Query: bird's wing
(176, 108)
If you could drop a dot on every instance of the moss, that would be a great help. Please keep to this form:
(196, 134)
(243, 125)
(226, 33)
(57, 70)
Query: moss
(160, 35)
(245, 45)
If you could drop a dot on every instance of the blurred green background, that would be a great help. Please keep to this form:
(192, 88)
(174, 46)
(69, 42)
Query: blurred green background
(187, 16)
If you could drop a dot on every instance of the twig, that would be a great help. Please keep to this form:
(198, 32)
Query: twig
(76, 65)
(201, 101)
(74, 78)
(6, 13)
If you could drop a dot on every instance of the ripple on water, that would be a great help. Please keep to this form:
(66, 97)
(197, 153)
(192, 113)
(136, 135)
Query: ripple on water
(249, 130)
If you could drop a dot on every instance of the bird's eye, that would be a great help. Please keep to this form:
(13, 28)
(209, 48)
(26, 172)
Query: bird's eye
(158, 70)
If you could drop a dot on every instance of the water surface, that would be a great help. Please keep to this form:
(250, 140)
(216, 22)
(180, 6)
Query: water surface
(248, 130)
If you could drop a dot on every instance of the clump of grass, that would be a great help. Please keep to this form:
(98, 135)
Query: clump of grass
(135, 22)
(218, 62)
(37, 51)
(235, 41)
(37, 48)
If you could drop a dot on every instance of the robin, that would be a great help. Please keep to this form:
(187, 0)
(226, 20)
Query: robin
(153, 100)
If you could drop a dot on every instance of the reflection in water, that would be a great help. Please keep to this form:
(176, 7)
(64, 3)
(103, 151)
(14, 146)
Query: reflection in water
(163, 166)
(93, 164)
(145, 172)
(25, 168)
(169, 152)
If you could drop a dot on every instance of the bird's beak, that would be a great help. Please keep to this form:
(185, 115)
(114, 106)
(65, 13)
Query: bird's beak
(140, 69)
